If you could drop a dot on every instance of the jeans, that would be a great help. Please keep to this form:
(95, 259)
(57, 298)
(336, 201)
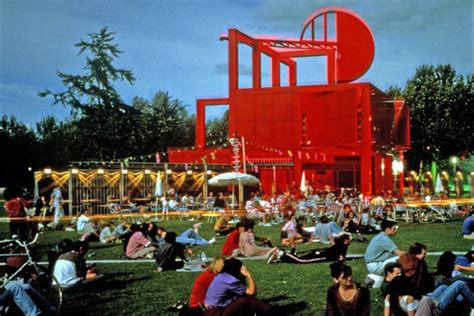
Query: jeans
(377, 267)
(446, 295)
(189, 236)
(28, 300)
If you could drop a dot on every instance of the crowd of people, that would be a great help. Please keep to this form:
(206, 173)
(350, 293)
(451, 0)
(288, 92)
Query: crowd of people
(227, 287)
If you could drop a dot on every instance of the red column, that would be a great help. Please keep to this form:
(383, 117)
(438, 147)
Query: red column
(200, 124)
(233, 61)
(256, 68)
(366, 145)
(275, 72)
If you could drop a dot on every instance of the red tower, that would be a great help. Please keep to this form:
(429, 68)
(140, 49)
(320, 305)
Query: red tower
(341, 134)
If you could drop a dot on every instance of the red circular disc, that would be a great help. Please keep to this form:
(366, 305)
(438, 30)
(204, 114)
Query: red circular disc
(353, 42)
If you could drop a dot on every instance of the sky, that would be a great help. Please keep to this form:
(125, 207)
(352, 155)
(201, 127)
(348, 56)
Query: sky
(174, 46)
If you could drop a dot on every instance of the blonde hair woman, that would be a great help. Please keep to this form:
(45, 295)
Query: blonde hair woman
(201, 284)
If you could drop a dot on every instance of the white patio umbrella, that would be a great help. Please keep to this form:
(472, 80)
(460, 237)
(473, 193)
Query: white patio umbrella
(229, 178)
(158, 186)
(158, 192)
(303, 183)
(234, 178)
(439, 185)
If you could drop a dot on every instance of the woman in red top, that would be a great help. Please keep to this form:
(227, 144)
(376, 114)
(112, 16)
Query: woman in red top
(231, 242)
(201, 284)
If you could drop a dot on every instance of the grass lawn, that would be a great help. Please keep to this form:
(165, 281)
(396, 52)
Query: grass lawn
(134, 289)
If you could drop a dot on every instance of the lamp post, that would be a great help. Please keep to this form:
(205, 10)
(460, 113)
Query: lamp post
(397, 168)
(454, 161)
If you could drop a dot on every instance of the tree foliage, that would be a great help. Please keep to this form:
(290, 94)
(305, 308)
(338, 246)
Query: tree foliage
(108, 126)
(217, 130)
(441, 113)
(164, 123)
(96, 87)
(19, 151)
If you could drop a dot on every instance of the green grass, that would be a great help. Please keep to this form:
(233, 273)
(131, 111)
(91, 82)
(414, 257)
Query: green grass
(134, 289)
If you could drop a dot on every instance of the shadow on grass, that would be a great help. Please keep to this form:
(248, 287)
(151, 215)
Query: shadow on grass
(109, 283)
(291, 309)
(285, 309)
(275, 299)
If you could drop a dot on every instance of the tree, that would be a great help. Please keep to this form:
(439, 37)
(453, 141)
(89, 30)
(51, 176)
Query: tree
(107, 124)
(217, 130)
(395, 92)
(19, 151)
(164, 122)
(441, 113)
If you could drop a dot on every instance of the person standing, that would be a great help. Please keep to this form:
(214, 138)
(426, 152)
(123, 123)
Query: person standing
(15, 210)
(57, 202)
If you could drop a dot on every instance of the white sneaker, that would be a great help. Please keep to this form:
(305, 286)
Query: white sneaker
(213, 240)
(272, 256)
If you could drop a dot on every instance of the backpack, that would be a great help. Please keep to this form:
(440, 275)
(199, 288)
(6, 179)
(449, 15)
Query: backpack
(15, 208)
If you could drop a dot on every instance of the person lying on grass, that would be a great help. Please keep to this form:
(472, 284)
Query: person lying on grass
(336, 252)
(232, 292)
(201, 284)
(346, 297)
(189, 236)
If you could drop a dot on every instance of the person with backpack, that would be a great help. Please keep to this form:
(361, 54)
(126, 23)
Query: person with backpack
(15, 209)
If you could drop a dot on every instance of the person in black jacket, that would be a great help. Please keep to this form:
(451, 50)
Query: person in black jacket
(167, 253)
(336, 252)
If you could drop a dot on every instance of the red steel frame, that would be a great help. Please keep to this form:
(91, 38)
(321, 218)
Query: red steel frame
(338, 133)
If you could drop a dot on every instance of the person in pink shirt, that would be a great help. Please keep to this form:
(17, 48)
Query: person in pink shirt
(138, 246)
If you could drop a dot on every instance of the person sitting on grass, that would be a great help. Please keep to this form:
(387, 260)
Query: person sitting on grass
(468, 226)
(302, 235)
(71, 270)
(167, 253)
(414, 267)
(367, 223)
(391, 271)
(346, 297)
(231, 243)
(86, 227)
(247, 245)
(402, 297)
(138, 246)
(464, 263)
(382, 249)
(351, 223)
(201, 284)
(106, 234)
(336, 252)
(229, 294)
(325, 230)
(221, 227)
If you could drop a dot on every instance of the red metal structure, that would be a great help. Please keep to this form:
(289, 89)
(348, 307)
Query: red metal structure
(341, 133)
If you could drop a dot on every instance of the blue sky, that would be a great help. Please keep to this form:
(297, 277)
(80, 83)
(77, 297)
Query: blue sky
(173, 45)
